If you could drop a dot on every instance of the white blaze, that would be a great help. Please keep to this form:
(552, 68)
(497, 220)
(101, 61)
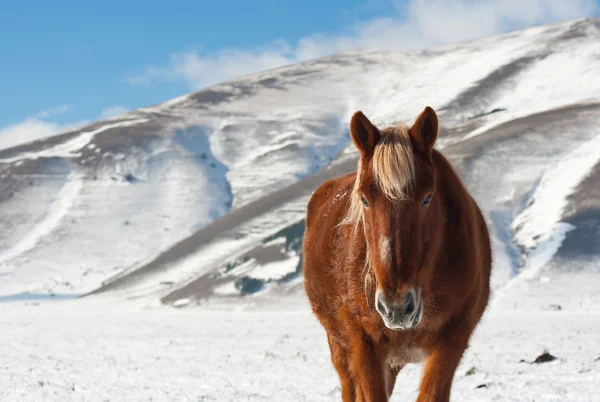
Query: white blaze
(385, 250)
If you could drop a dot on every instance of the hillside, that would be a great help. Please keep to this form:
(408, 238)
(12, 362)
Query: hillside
(201, 199)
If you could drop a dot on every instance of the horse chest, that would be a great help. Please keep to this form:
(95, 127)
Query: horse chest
(405, 354)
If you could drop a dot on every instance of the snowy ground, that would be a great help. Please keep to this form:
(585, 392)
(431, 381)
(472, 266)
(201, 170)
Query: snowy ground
(80, 350)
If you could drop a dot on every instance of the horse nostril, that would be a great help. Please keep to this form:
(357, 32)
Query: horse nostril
(380, 306)
(410, 304)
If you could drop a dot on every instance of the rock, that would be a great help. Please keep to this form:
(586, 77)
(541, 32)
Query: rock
(470, 371)
(131, 178)
(481, 386)
(544, 358)
(247, 285)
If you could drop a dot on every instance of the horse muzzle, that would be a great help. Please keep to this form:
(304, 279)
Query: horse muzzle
(403, 314)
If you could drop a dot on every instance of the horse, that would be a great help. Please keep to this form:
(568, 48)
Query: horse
(397, 262)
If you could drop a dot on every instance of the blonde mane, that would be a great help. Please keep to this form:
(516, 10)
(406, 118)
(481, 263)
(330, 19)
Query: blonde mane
(393, 170)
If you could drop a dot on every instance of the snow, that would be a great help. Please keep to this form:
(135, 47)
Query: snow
(70, 148)
(221, 250)
(227, 289)
(537, 88)
(195, 264)
(538, 228)
(58, 209)
(276, 270)
(79, 220)
(90, 351)
(182, 302)
(165, 105)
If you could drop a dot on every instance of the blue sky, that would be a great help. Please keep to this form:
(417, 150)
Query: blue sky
(65, 63)
(73, 53)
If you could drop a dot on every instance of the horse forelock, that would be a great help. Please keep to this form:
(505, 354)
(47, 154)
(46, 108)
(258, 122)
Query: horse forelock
(393, 170)
(393, 163)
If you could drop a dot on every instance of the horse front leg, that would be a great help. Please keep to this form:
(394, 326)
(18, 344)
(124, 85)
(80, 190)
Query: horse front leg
(368, 372)
(340, 362)
(438, 372)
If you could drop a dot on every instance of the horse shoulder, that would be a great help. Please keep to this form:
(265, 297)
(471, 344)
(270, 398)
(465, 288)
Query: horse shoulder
(325, 208)
(325, 196)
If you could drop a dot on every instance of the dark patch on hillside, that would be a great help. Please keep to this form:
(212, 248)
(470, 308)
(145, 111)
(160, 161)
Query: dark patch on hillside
(263, 253)
(481, 94)
(583, 212)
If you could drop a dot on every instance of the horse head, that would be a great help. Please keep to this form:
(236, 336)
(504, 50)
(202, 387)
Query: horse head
(395, 206)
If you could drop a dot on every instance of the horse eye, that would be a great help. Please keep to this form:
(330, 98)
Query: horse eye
(426, 201)
(364, 202)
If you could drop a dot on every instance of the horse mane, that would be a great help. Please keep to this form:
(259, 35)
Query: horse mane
(393, 170)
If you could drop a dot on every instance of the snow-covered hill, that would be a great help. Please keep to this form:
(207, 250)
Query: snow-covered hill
(201, 199)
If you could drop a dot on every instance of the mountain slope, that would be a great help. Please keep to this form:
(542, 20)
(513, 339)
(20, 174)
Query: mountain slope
(201, 198)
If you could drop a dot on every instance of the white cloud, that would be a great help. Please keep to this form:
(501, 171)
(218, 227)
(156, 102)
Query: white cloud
(30, 129)
(198, 71)
(40, 126)
(416, 24)
(113, 111)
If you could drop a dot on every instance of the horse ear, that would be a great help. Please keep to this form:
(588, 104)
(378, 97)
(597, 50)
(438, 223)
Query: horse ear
(425, 130)
(364, 134)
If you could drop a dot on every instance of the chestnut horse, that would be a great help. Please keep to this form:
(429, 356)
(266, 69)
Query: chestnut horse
(397, 262)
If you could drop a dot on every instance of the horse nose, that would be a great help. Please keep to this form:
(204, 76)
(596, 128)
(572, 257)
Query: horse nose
(408, 306)
(398, 313)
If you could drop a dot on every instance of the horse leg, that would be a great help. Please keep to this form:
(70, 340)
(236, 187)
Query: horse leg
(438, 373)
(340, 362)
(368, 372)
